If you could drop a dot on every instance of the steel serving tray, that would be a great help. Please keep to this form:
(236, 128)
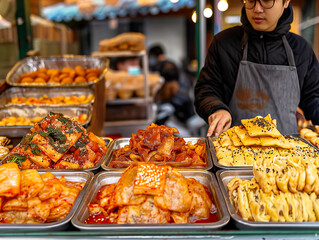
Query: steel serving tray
(31, 64)
(63, 223)
(224, 177)
(95, 169)
(32, 112)
(39, 92)
(220, 166)
(206, 178)
(121, 142)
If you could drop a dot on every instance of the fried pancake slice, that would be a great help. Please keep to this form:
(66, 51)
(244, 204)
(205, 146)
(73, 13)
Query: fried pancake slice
(233, 136)
(245, 138)
(259, 127)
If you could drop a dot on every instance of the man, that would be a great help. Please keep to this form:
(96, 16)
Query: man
(258, 68)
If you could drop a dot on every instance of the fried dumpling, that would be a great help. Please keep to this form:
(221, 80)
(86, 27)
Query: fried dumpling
(243, 202)
(257, 205)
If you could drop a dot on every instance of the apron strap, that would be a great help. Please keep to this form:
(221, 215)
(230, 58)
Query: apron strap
(245, 45)
(290, 54)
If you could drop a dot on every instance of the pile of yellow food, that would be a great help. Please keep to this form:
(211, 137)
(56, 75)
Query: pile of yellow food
(63, 100)
(64, 76)
(258, 138)
(28, 197)
(311, 136)
(23, 121)
(282, 190)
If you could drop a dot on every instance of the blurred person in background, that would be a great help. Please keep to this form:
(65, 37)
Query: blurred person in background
(127, 64)
(156, 55)
(175, 107)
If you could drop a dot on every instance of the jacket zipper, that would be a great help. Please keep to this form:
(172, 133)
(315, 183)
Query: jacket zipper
(264, 49)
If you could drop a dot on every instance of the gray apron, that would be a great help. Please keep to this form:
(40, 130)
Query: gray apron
(262, 89)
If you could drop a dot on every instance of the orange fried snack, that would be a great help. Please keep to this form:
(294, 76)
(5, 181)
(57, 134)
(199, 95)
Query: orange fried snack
(150, 179)
(28, 197)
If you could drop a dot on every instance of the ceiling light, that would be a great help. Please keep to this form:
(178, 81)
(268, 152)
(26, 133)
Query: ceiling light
(174, 1)
(194, 17)
(222, 5)
(208, 12)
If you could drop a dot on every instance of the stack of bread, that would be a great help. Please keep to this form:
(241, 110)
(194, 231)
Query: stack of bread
(258, 138)
(131, 41)
(121, 84)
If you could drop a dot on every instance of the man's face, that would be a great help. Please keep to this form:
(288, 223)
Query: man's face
(265, 20)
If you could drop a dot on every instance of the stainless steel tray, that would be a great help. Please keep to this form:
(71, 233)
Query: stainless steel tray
(32, 112)
(206, 178)
(39, 92)
(95, 169)
(224, 177)
(220, 166)
(121, 142)
(34, 63)
(61, 224)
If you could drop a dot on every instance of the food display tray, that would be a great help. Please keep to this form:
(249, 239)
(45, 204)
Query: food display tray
(224, 177)
(32, 112)
(63, 223)
(206, 178)
(39, 92)
(121, 142)
(95, 169)
(32, 64)
(220, 166)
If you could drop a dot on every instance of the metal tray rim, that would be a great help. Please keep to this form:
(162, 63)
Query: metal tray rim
(107, 162)
(89, 109)
(57, 224)
(251, 224)
(10, 90)
(170, 227)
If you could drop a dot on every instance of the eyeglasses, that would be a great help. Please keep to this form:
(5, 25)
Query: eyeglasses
(267, 4)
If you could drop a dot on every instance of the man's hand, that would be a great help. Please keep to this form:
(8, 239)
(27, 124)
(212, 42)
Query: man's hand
(218, 122)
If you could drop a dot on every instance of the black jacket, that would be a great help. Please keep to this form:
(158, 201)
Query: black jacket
(216, 82)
